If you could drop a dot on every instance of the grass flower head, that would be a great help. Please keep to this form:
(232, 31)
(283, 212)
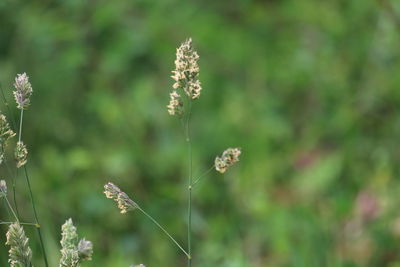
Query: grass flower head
(72, 252)
(85, 249)
(229, 157)
(5, 134)
(69, 250)
(125, 204)
(20, 254)
(187, 70)
(23, 91)
(21, 154)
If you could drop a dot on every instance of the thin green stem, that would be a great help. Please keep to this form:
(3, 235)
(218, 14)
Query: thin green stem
(189, 141)
(7, 209)
(203, 175)
(162, 229)
(36, 217)
(12, 210)
(14, 185)
(23, 223)
(20, 125)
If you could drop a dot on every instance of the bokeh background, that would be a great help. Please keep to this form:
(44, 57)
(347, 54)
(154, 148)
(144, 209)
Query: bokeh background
(310, 90)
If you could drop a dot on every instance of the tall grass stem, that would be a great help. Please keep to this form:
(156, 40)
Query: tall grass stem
(189, 141)
(162, 229)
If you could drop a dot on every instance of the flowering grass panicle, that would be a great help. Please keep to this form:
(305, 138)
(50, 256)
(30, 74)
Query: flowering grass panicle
(187, 70)
(5, 134)
(21, 154)
(23, 91)
(229, 157)
(85, 249)
(125, 204)
(69, 250)
(3, 189)
(20, 254)
(72, 252)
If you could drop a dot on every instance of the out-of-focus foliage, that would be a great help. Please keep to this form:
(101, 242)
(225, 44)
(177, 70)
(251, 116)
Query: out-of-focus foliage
(310, 90)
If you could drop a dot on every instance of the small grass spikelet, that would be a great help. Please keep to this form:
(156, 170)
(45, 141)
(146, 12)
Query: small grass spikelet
(72, 251)
(5, 134)
(85, 249)
(175, 106)
(21, 154)
(187, 70)
(23, 91)
(3, 189)
(125, 204)
(20, 254)
(229, 157)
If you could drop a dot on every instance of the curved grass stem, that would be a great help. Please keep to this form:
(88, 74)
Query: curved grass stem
(12, 210)
(203, 175)
(165, 231)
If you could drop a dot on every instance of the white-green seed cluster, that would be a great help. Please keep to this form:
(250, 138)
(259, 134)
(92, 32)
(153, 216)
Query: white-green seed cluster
(175, 106)
(72, 251)
(185, 76)
(23, 91)
(21, 154)
(20, 254)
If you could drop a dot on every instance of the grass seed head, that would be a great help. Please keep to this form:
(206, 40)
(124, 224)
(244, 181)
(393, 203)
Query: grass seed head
(229, 157)
(21, 154)
(5, 134)
(125, 204)
(187, 70)
(20, 254)
(23, 91)
(85, 249)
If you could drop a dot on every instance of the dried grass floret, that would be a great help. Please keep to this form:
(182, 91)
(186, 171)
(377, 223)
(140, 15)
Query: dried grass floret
(229, 157)
(125, 204)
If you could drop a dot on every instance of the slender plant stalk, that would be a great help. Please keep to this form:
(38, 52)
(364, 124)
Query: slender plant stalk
(20, 125)
(36, 218)
(189, 141)
(165, 231)
(203, 175)
(7, 209)
(12, 210)
(23, 223)
(31, 196)
(13, 185)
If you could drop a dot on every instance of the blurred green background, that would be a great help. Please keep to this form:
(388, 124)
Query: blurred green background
(310, 90)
